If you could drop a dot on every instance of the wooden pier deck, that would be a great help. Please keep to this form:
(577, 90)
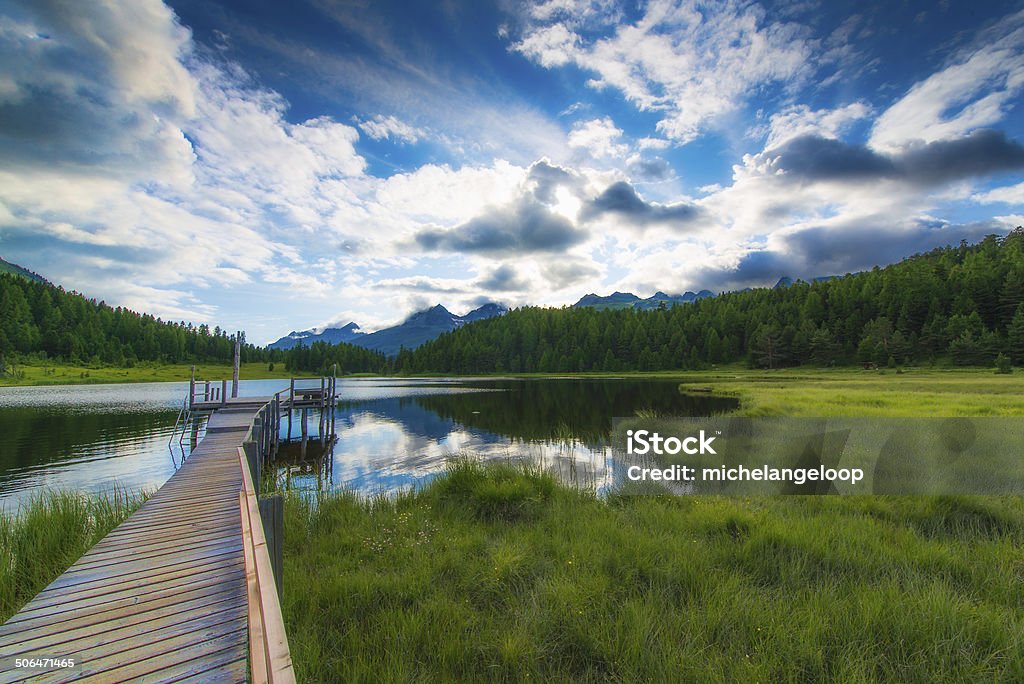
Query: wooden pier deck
(163, 597)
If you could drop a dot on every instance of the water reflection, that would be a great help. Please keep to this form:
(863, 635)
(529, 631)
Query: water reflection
(92, 437)
(391, 433)
(405, 437)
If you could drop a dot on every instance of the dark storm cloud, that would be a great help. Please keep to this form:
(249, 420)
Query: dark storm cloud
(621, 199)
(837, 250)
(504, 279)
(812, 158)
(862, 245)
(982, 153)
(524, 227)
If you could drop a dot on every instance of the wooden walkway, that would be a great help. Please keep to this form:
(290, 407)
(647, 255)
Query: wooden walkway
(161, 598)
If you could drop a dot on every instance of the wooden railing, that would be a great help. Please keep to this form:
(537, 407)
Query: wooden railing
(269, 658)
(207, 391)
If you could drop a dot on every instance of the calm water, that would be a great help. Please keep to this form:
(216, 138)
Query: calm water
(392, 433)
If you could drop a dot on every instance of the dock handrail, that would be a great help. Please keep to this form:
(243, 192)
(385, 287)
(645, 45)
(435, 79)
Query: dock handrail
(269, 655)
(207, 392)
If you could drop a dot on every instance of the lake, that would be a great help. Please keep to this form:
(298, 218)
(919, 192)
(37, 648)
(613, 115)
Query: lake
(392, 433)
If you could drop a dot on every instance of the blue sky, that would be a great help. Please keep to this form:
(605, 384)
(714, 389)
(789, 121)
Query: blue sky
(276, 166)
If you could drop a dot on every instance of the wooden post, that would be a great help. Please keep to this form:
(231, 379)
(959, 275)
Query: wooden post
(192, 389)
(275, 419)
(257, 447)
(334, 397)
(223, 392)
(323, 402)
(272, 514)
(206, 393)
(291, 407)
(305, 430)
(238, 361)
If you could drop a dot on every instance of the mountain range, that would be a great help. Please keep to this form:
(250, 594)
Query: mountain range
(418, 328)
(626, 300)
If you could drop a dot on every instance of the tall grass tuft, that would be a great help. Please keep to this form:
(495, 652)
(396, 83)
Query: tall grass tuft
(48, 533)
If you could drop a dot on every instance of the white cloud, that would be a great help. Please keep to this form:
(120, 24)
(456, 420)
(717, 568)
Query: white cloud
(390, 127)
(691, 62)
(1011, 194)
(976, 90)
(551, 46)
(802, 120)
(598, 137)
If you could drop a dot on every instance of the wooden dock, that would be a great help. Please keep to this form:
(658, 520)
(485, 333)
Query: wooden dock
(169, 594)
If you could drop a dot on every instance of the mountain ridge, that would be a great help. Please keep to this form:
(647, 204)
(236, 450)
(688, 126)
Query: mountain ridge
(15, 269)
(418, 328)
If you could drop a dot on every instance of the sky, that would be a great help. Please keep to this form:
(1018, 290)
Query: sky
(272, 166)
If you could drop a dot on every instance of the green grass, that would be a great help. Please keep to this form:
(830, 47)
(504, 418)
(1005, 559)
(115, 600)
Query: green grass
(46, 535)
(492, 573)
(497, 573)
(915, 392)
(62, 374)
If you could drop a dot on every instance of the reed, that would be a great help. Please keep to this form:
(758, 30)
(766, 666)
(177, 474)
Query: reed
(45, 535)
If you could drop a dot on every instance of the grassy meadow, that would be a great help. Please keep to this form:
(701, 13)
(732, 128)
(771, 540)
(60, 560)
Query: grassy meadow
(501, 573)
(42, 538)
(914, 392)
(62, 374)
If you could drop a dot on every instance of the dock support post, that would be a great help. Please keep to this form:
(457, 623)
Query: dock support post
(276, 421)
(305, 430)
(291, 407)
(192, 389)
(334, 403)
(223, 392)
(238, 360)
(334, 397)
(323, 415)
(206, 392)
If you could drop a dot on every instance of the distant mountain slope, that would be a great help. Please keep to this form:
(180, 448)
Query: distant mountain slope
(627, 300)
(348, 333)
(616, 300)
(8, 267)
(659, 299)
(420, 327)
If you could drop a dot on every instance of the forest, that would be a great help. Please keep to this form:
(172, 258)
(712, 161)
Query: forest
(39, 321)
(962, 304)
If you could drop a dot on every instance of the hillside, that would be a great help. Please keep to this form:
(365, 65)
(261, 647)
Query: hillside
(964, 304)
(14, 269)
